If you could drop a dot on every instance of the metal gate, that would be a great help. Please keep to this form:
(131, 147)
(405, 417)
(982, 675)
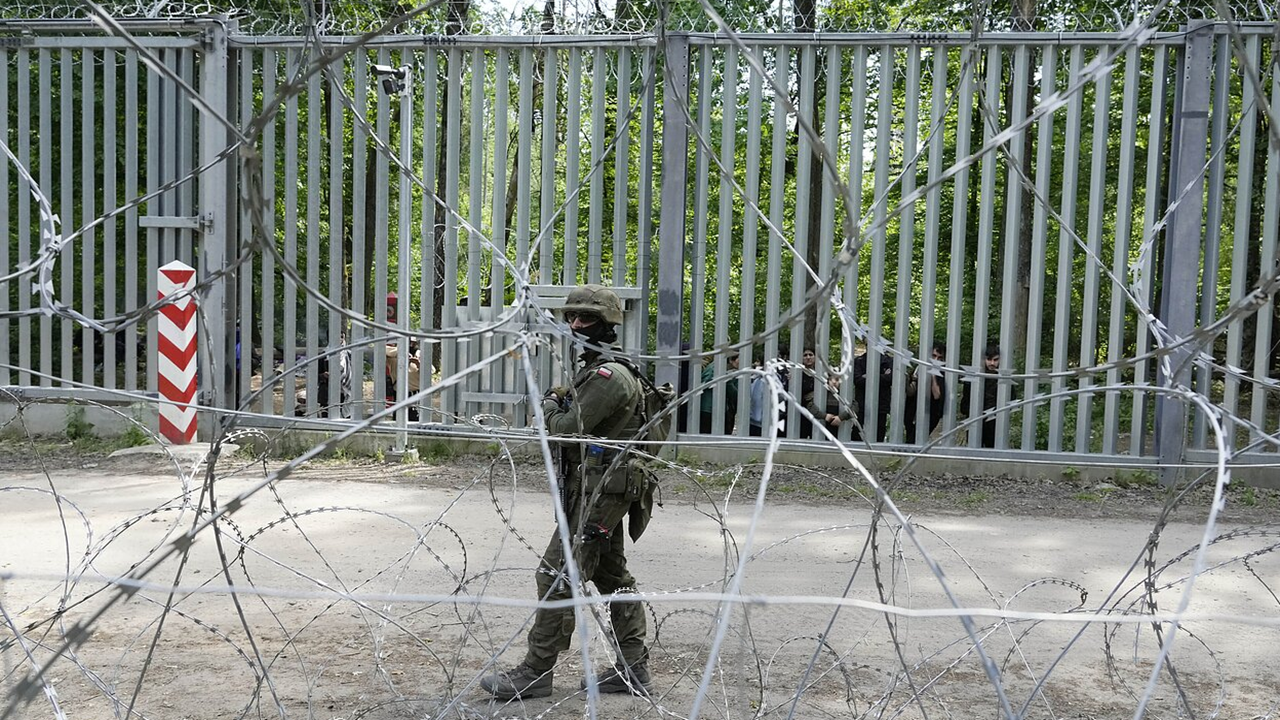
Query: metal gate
(1064, 179)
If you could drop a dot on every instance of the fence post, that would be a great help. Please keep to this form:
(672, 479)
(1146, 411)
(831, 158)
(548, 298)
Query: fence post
(1183, 241)
(675, 159)
(218, 379)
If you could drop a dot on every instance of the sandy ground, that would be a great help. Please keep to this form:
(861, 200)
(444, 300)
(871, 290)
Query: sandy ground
(373, 591)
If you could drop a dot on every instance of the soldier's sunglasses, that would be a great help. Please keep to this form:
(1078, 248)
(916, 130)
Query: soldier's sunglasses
(586, 317)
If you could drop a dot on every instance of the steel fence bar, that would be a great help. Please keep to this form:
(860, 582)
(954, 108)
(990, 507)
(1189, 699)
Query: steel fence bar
(572, 168)
(857, 161)
(1143, 268)
(24, 215)
(621, 170)
(315, 158)
(524, 149)
(88, 211)
(335, 138)
(1123, 235)
(453, 143)
(932, 223)
(1097, 215)
(595, 227)
(827, 211)
(475, 203)
(800, 232)
(1270, 229)
(430, 159)
(1240, 237)
(724, 227)
(1183, 244)
(293, 61)
(184, 139)
(750, 235)
(498, 221)
(475, 174)
(497, 377)
(360, 407)
(46, 187)
(1221, 81)
(246, 277)
(547, 162)
(959, 218)
(906, 248)
(673, 202)
(382, 391)
(879, 238)
(989, 164)
(404, 240)
(644, 244)
(270, 67)
(212, 199)
(1063, 329)
(697, 271)
(1014, 191)
(6, 242)
(1037, 269)
(131, 217)
(777, 208)
(67, 209)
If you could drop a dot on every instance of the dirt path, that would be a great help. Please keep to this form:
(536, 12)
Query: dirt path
(377, 591)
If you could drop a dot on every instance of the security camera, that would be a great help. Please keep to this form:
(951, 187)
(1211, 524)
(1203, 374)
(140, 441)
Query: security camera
(395, 81)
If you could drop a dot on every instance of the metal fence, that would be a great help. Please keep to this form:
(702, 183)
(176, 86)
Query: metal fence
(1050, 192)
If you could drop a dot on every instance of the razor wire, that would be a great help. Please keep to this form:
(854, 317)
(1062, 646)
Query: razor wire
(732, 641)
(583, 17)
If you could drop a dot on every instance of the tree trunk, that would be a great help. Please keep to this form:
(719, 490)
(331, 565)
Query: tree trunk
(456, 20)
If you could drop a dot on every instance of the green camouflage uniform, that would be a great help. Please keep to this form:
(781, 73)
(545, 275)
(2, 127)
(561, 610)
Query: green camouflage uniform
(596, 500)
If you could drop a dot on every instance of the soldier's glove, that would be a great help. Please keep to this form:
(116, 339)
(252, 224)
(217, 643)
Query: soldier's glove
(557, 398)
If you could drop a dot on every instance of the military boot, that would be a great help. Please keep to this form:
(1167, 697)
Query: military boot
(519, 683)
(622, 678)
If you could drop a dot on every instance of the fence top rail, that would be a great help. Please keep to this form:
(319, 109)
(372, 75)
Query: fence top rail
(751, 39)
(168, 25)
(444, 41)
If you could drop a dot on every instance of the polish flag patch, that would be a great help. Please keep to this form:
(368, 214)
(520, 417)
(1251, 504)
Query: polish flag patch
(604, 372)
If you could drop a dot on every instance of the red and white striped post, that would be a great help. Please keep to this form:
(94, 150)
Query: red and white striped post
(177, 354)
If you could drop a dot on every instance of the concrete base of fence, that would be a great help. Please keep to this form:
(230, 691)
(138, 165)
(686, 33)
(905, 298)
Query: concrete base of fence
(57, 417)
(293, 441)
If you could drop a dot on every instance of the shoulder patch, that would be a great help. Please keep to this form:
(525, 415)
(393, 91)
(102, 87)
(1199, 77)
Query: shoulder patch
(604, 372)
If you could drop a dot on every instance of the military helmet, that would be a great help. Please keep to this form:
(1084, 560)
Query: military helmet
(597, 300)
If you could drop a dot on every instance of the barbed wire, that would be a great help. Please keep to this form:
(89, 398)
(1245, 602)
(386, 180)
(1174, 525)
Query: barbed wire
(257, 568)
(580, 17)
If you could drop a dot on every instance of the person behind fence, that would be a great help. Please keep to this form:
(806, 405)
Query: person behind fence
(600, 486)
(392, 359)
(808, 383)
(707, 399)
(988, 387)
(935, 401)
(760, 399)
(835, 411)
(863, 377)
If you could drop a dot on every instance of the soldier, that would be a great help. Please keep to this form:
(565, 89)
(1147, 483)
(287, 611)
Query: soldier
(599, 486)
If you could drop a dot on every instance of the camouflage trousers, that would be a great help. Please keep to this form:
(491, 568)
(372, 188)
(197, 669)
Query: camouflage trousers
(601, 559)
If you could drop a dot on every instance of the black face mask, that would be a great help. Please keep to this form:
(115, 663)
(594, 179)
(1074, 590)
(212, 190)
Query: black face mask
(598, 333)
